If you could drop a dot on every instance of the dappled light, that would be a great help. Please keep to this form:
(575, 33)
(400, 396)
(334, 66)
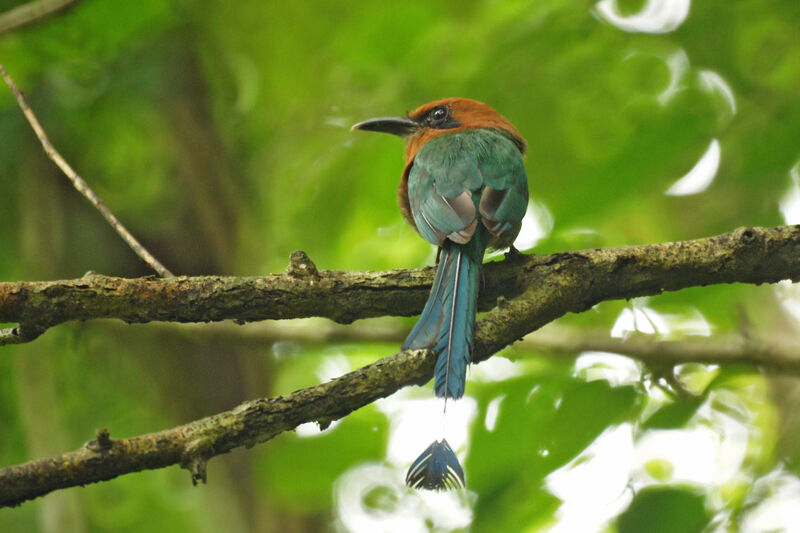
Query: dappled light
(702, 174)
(788, 293)
(492, 412)
(415, 422)
(641, 318)
(594, 486)
(616, 369)
(537, 224)
(716, 85)
(219, 134)
(655, 16)
(372, 497)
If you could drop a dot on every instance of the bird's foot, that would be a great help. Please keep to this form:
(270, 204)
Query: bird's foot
(513, 254)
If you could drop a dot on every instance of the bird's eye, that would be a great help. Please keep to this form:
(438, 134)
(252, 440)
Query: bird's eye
(439, 113)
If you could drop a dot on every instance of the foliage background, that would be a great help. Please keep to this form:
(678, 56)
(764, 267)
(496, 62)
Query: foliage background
(218, 132)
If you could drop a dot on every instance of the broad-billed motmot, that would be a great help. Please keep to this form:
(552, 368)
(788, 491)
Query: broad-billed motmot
(463, 188)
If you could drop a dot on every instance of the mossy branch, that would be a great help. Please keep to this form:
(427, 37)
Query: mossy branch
(523, 292)
(564, 282)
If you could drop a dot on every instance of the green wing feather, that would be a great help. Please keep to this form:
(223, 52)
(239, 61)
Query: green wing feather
(467, 160)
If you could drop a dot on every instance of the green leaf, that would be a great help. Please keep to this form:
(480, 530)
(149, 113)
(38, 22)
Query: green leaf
(675, 414)
(544, 421)
(665, 510)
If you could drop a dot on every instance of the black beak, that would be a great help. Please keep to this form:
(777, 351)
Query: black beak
(400, 126)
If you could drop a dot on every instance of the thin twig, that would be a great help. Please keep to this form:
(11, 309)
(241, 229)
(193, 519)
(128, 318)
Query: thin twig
(79, 183)
(31, 12)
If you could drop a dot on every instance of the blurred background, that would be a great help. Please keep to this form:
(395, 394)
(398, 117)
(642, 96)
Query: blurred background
(218, 132)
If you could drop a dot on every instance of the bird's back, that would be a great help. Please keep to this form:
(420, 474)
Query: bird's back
(459, 177)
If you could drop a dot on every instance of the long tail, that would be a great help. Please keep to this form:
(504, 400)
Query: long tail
(446, 325)
(447, 322)
(437, 468)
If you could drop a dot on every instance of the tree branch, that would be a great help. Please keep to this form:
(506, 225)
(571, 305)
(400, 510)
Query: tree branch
(529, 291)
(80, 185)
(19, 334)
(31, 12)
(779, 357)
(560, 283)
(191, 445)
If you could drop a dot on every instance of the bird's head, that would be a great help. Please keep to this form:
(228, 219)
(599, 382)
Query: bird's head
(439, 117)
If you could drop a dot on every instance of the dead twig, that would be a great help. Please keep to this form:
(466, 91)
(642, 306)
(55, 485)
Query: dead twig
(79, 183)
(31, 12)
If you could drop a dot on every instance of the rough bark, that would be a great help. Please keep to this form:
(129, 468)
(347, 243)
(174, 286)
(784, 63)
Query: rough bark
(569, 281)
(526, 291)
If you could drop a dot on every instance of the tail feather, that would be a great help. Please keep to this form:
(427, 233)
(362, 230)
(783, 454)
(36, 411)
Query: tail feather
(448, 320)
(426, 330)
(437, 468)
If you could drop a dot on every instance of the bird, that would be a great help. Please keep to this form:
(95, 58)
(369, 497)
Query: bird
(463, 188)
